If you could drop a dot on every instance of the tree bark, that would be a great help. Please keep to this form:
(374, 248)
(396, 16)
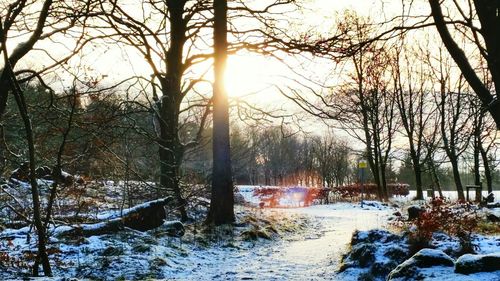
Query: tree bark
(19, 52)
(486, 11)
(487, 170)
(417, 169)
(435, 177)
(477, 175)
(37, 217)
(222, 200)
(171, 151)
(456, 178)
(450, 142)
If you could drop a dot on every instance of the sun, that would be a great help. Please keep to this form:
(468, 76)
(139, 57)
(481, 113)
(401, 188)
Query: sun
(247, 75)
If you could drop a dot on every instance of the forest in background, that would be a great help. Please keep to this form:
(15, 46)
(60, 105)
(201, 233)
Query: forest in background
(106, 137)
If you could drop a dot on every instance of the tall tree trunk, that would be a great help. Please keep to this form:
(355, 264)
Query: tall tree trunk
(3, 149)
(435, 177)
(383, 180)
(222, 201)
(374, 167)
(171, 151)
(4, 92)
(477, 143)
(450, 142)
(418, 179)
(456, 178)
(372, 157)
(21, 103)
(477, 175)
(487, 170)
(487, 12)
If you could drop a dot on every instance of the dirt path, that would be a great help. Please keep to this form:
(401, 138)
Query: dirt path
(314, 256)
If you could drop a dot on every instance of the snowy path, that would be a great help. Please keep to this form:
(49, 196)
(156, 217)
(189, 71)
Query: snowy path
(315, 256)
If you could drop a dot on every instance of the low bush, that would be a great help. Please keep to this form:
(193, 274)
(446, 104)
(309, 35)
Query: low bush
(458, 219)
(369, 190)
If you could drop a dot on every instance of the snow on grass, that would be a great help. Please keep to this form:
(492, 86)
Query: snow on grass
(313, 239)
(446, 273)
(453, 195)
(376, 250)
(309, 245)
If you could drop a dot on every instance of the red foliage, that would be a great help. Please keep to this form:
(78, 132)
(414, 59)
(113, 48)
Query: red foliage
(455, 219)
(9, 261)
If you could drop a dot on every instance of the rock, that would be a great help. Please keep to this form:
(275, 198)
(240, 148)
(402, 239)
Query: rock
(397, 214)
(362, 254)
(492, 217)
(238, 198)
(21, 174)
(396, 253)
(409, 270)
(469, 263)
(431, 257)
(374, 235)
(383, 268)
(44, 172)
(414, 212)
(173, 228)
(493, 205)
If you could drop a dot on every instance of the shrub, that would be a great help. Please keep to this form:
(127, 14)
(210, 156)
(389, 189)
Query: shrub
(458, 219)
(370, 190)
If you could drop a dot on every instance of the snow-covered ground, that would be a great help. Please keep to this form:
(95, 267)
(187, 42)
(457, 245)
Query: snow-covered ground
(247, 192)
(451, 195)
(313, 253)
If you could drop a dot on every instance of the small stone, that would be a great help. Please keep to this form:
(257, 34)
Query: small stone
(414, 212)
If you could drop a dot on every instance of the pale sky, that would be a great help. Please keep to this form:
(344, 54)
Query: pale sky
(249, 76)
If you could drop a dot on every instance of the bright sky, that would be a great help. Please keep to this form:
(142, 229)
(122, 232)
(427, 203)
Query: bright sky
(249, 73)
(248, 76)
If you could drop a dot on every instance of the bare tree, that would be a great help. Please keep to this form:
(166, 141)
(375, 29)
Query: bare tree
(222, 197)
(25, 24)
(365, 105)
(485, 38)
(416, 107)
(23, 110)
(484, 134)
(164, 37)
(332, 158)
(454, 126)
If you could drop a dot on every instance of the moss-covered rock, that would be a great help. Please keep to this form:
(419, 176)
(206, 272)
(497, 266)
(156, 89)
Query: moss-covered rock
(469, 263)
(409, 270)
